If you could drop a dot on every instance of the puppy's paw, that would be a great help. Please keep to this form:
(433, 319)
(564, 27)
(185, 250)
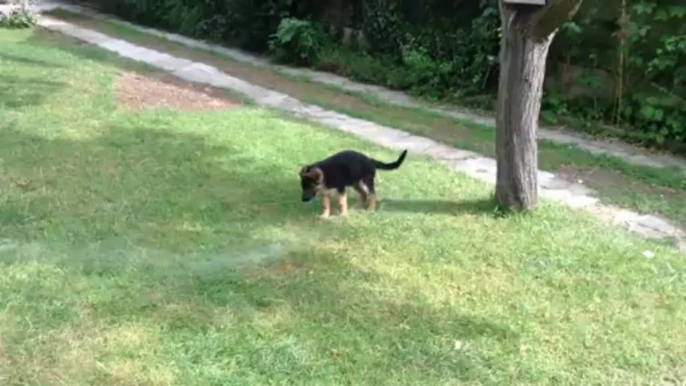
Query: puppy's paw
(324, 216)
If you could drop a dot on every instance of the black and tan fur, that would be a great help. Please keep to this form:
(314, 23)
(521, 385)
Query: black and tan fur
(340, 171)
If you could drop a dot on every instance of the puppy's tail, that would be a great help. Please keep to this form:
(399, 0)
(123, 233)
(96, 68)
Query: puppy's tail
(391, 166)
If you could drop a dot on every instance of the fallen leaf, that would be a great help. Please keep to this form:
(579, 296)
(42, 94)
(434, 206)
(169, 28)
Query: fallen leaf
(23, 184)
(648, 254)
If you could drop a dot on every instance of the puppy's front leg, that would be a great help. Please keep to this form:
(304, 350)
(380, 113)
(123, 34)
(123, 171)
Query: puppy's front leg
(326, 205)
(343, 202)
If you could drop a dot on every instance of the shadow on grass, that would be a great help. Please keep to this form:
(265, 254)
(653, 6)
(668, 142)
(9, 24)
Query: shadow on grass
(27, 61)
(17, 93)
(167, 234)
(476, 207)
(25, 91)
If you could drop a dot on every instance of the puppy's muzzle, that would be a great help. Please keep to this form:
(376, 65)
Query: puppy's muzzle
(308, 196)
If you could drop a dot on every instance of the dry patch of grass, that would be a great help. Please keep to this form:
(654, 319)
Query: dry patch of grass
(277, 269)
(134, 91)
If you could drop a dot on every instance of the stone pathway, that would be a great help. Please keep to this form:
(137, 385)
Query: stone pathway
(472, 164)
(626, 152)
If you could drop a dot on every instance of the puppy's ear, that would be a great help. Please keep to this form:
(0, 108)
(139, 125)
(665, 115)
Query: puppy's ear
(303, 170)
(314, 173)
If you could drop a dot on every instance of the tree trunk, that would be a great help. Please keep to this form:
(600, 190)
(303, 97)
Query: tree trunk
(526, 37)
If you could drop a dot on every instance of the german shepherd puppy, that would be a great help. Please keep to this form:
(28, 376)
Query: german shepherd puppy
(341, 170)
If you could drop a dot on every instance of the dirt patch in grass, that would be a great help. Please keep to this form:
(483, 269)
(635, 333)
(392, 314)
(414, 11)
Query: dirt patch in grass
(602, 177)
(134, 91)
(619, 189)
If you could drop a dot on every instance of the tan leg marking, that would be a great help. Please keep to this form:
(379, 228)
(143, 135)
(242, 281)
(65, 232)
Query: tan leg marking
(372, 202)
(343, 203)
(326, 205)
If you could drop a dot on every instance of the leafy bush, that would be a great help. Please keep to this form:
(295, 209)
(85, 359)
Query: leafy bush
(298, 42)
(422, 68)
(247, 24)
(383, 26)
(20, 17)
(659, 119)
(363, 67)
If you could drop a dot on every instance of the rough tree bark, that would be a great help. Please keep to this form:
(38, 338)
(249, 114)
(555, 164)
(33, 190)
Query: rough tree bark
(527, 31)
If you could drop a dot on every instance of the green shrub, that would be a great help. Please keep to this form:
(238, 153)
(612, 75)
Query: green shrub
(426, 75)
(368, 69)
(20, 17)
(246, 24)
(383, 26)
(297, 42)
(364, 67)
(658, 118)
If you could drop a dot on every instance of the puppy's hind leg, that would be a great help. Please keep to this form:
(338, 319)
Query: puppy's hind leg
(371, 194)
(361, 190)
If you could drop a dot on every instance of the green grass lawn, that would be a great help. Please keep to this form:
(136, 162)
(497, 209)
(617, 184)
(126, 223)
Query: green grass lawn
(170, 248)
(644, 189)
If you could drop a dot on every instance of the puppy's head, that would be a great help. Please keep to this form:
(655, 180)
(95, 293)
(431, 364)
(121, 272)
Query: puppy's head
(311, 179)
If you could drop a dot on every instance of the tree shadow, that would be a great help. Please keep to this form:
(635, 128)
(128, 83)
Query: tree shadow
(482, 206)
(169, 167)
(332, 311)
(27, 61)
(231, 196)
(181, 221)
(22, 92)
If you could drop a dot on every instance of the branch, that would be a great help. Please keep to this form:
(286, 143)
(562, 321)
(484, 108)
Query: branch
(550, 18)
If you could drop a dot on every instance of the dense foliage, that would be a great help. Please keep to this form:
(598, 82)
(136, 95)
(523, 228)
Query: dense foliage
(620, 61)
(18, 16)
